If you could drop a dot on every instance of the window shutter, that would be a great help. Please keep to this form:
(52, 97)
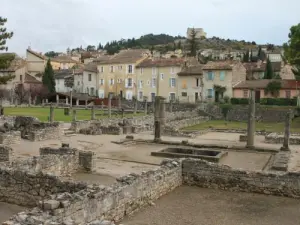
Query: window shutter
(174, 82)
(126, 83)
(213, 93)
(132, 66)
(206, 76)
(213, 75)
(170, 82)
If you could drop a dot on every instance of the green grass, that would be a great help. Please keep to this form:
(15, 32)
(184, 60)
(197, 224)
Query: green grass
(43, 113)
(222, 124)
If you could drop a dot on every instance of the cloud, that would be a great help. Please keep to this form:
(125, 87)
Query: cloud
(59, 24)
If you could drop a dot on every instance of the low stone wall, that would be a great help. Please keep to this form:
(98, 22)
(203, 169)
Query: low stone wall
(281, 160)
(11, 137)
(48, 131)
(126, 196)
(6, 153)
(178, 124)
(209, 175)
(274, 138)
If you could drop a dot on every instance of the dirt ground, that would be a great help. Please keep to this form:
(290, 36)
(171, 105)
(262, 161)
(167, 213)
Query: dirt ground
(198, 206)
(8, 210)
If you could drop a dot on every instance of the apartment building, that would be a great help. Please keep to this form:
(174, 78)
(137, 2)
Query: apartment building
(219, 77)
(117, 76)
(36, 62)
(158, 77)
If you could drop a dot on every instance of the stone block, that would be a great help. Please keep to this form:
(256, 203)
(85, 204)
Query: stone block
(243, 138)
(51, 204)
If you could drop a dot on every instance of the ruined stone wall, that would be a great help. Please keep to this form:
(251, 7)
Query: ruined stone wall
(11, 137)
(48, 131)
(209, 175)
(27, 189)
(6, 153)
(126, 196)
(178, 124)
(274, 138)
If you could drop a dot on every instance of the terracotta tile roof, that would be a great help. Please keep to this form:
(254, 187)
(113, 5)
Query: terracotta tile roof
(63, 59)
(161, 62)
(192, 70)
(126, 56)
(31, 79)
(91, 67)
(261, 84)
(15, 64)
(61, 74)
(102, 58)
(37, 54)
(276, 66)
(254, 67)
(219, 65)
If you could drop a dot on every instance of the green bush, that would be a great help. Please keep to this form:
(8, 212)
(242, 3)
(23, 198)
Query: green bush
(279, 101)
(225, 109)
(239, 101)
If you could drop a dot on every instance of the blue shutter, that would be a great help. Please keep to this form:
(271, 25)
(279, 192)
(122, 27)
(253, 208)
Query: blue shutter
(170, 82)
(212, 93)
(222, 75)
(212, 75)
(174, 82)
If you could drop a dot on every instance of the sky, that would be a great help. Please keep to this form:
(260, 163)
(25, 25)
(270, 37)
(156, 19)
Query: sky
(47, 25)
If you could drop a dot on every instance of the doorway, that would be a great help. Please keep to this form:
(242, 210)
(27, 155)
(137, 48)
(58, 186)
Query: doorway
(121, 94)
(216, 96)
(196, 96)
(257, 96)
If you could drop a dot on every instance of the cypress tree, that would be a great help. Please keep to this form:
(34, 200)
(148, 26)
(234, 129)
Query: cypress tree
(48, 78)
(269, 74)
(193, 43)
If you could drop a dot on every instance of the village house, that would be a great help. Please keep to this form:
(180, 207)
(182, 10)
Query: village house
(255, 70)
(190, 82)
(118, 75)
(62, 62)
(36, 62)
(90, 80)
(289, 89)
(158, 77)
(219, 77)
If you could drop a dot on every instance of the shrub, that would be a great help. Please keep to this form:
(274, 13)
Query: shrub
(279, 101)
(225, 109)
(239, 101)
(226, 99)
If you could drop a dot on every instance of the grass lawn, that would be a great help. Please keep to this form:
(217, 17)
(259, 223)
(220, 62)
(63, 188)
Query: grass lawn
(43, 113)
(222, 124)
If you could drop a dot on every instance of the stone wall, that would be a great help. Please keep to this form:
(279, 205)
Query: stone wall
(6, 153)
(126, 196)
(45, 132)
(11, 137)
(274, 138)
(209, 175)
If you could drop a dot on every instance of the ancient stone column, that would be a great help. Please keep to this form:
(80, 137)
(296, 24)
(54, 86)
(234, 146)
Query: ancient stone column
(146, 107)
(251, 121)
(162, 111)
(51, 117)
(109, 106)
(29, 100)
(71, 99)
(171, 106)
(286, 140)
(157, 121)
(135, 106)
(93, 113)
(157, 131)
(57, 99)
(74, 115)
(67, 100)
(86, 104)
(77, 101)
(120, 102)
(46, 100)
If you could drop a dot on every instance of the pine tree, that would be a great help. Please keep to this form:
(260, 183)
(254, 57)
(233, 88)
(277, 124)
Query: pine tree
(48, 78)
(269, 74)
(7, 58)
(193, 43)
(251, 56)
(246, 56)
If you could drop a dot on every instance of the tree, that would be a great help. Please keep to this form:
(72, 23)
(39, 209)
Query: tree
(246, 56)
(292, 49)
(21, 93)
(100, 47)
(4, 35)
(251, 56)
(179, 45)
(269, 74)
(193, 43)
(51, 54)
(48, 77)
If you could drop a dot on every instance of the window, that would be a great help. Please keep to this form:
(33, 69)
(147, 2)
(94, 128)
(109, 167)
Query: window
(161, 76)
(197, 82)
(140, 84)
(90, 77)
(141, 70)
(111, 69)
(101, 69)
(129, 82)
(222, 75)
(153, 70)
(209, 93)
(210, 75)
(152, 97)
(172, 70)
(111, 81)
(245, 94)
(148, 82)
(288, 94)
(101, 81)
(184, 94)
(172, 97)
(92, 91)
(140, 95)
(130, 69)
(153, 82)
(172, 82)
(21, 78)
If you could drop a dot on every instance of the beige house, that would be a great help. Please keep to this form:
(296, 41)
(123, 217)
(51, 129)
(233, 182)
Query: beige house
(219, 77)
(190, 84)
(36, 62)
(62, 62)
(90, 79)
(158, 77)
(16, 68)
(117, 76)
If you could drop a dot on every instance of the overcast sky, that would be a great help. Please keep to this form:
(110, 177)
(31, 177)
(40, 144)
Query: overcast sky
(57, 24)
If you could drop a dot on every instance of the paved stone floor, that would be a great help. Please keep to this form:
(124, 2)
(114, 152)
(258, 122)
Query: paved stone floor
(8, 210)
(198, 206)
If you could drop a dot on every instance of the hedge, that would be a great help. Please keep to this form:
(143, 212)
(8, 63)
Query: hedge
(239, 101)
(279, 101)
